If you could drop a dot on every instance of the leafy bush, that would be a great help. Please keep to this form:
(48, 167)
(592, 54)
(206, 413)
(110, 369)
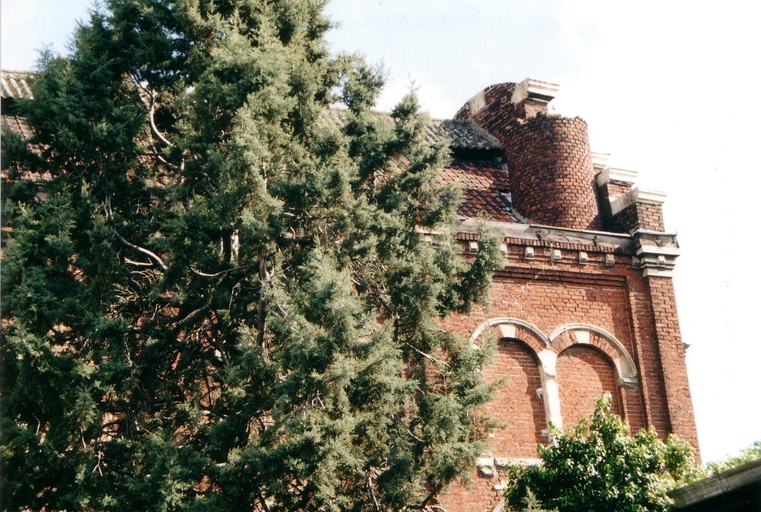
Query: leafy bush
(597, 466)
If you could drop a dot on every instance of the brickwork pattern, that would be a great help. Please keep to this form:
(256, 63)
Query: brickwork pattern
(681, 417)
(549, 160)
(584, 373)
(551, 181)
(631, 405)
(478, 495)
(639, 312)
(499, 114)
(650, 217)
(551, 172)
(615, 189)
(516, 400)
(646, 347)
(645, 216)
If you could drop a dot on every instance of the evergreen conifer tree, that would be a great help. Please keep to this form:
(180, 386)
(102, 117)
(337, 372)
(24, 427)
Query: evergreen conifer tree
(223, 300)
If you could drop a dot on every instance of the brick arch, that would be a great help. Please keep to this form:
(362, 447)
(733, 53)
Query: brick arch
(585, 334)
(513, 328)
(506, 328)
(540, 344)
(584, 372)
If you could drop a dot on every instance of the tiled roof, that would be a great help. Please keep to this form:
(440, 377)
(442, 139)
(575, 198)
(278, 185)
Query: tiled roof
(462, 135)
(15, 124)
(486, 186)
(484, 180)
(13, 84)
(467, 135)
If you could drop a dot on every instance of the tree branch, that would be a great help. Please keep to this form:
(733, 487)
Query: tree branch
(428, 498)
(372, 493)
(222, 272)
(427, 356)
(150, 254)
(151, 106)
(264, 277)
(151, 111)
(143, 250)
(138, 263)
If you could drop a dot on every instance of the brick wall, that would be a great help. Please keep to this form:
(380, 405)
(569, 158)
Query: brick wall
(638, 312)
(477, 495)
(681, 417)
(498, 114)
(636, 216)
(551, 173)
(610, 328)
(549, 160)
(516, 401)
(584, 373)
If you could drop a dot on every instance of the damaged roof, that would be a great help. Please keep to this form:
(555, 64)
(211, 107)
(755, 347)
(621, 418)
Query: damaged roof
(477, 167)
(465, 135)
(486, 188)
(462, 135)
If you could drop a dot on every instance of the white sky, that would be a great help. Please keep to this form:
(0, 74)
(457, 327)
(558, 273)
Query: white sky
(666, 88)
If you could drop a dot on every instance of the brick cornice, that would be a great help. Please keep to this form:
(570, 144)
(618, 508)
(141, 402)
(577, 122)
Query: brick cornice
(548, 236)
(560, 276)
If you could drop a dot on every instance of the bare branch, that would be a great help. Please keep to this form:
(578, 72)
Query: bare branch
(430, 496)
(138, 263)
(264, 277)
(150, 105)
(143, 250)
(263, 501)
(150, 254)
(416, 438)
(372, 493)
(151, 112)
(427, 356)
(222, 272)
(424, 505)
(191, 315)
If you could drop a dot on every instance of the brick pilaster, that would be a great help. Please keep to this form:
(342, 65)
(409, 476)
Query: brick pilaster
(671, 353)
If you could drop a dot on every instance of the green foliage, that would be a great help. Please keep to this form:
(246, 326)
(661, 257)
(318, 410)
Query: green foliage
(225, 301)
(531, 503)
(749, 454)
(597, 466)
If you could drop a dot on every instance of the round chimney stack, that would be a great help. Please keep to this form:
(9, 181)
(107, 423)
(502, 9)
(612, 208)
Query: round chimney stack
(548, 156)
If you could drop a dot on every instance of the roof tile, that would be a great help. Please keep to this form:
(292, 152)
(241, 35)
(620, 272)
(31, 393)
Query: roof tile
(486, 186)
(13, 84)
(485, 182)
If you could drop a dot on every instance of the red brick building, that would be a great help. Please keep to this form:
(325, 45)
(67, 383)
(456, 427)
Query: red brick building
(584, 302)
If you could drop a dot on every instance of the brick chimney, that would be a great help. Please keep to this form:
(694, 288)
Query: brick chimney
(548, 156)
